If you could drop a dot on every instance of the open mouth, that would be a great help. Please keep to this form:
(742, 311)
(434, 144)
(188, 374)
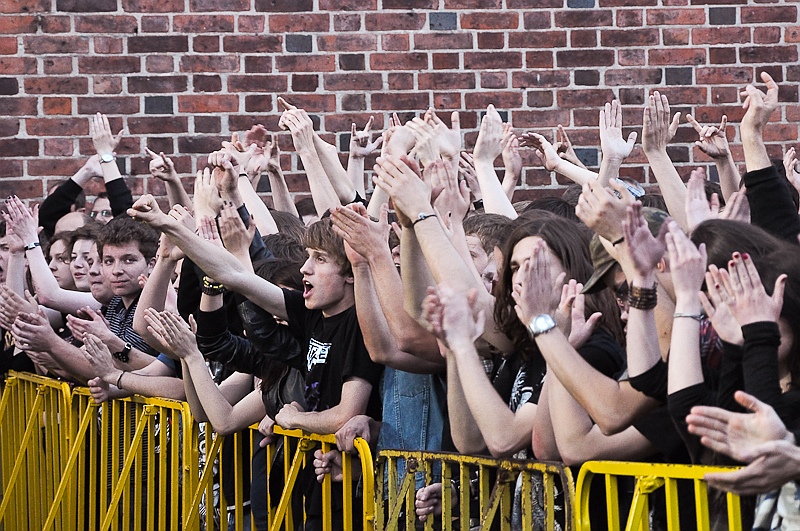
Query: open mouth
(308, 288)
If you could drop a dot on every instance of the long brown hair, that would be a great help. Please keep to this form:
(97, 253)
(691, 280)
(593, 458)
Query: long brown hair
(569, 244)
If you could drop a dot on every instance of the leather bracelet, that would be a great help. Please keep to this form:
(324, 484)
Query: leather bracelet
(642, 298)
(617, 242)
(211, 288)
(696, 316)
(119, 380)
(422, 217)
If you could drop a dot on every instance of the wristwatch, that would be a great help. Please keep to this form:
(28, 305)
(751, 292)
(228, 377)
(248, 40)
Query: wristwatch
(124, 354)
(106, 157)
(541, 324)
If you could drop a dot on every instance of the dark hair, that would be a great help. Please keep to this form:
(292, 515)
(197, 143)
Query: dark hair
(712, 188)
(286, 247)
(570, 245)
(90, 231)
(305, 207)
(289, 224)
(491, 229)
(572, 194)
(320, 235)
(654, 201)
(556, 205)
(122, 230)
(63, 236)
(2, 228)
(724, 237)
(280, 272)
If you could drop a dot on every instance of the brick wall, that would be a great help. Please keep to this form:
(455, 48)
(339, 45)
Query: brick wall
(180, 75)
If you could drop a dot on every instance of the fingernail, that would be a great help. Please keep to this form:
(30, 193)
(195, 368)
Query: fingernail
(746, 256)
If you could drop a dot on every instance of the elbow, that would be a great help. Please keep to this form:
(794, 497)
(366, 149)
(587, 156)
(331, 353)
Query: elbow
(45, 298)
(502, 446)
(612, 426)
(573, 456)
(225, 429)
(542, 450)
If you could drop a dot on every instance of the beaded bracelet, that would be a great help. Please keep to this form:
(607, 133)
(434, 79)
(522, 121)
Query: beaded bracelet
(642, 298)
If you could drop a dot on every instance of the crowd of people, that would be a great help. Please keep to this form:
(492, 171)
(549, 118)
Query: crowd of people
(614, 322)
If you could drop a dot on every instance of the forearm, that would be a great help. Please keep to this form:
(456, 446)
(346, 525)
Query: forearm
(543, 441)
(155, 386)
(416, 277)
(509, 184)
(464, 430)
(729, 178)
(355, 170)
(411, 337)
(609, 169)
(217, 409)
(258, 210)
(575, 173)
(15, 273)
(755, 152)
(176, 193)
(72, 361)
(322, 191)
(48, 291)
(281, 198)
(685, 368)
(642, 335)
(337, 175)
(669, 182)
(195, 405)
(495, 200)
(154, 295)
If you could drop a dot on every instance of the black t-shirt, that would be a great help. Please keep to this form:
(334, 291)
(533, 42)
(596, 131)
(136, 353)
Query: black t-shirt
(335, 352)
(8, 361)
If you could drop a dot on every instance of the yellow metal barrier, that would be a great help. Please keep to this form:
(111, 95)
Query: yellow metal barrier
(491, 484)
(649, 478)
(35, 421)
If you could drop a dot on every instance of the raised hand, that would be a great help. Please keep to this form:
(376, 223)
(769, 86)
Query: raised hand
(22, 220)
(602, 210)
(364, 236)
(173, 332)
(737, 208)
(105, 142)
(613, 145)
(657, 129)
(512, 160)
(544, 150)
(758, 105)
(235, 235)
(641, 250)
(146, 209)
(489, 144)
(713, 140)
(564, 148)
(32, 332)
(257, 135)
(427, 145)
(466, 168)
(99, 357)
(535, 290)
(183, 216)
(94, 324)
(571, 315)
(698, 208)
(745, 294)
(223, 165)
(792, 167)
(687, 263)
(449, 138)
(361, 145)
(460, 323)
(399, 177)
(452, 201)
(207, 201)
(717, 309)
(208, 231)
(161, 166)
(12, 305)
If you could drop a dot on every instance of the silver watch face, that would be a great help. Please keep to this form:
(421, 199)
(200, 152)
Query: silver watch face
(542, 323)
(107, 157)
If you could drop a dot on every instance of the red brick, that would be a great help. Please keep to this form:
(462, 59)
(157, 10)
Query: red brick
(491, 41)
(568, 58)
(258, 64)
(544, 79)
(57, 167)
(352, 82)
(674, 36)
(500, 99)
(107, 45)
(394, 42)
(504, 20)
(158, 43)
(153, 6)
(59, 64)
(57, 105)
(251, 23)
(18, 24)
(762, 14)
(680, 16)
(769, 35)
(399, 61)
(219, 5)
(713, 114)
(252, 43)
(305, 82)
(534, 4)
(299, 23)
(43, 44)
(348, 5)
(17, 106)
(443, 41)
(258, 83)
(208, 104)
(191, 24)
(494, 80)
(633, 77)
(305, 63)
(159, 64)
(108, 65)
(143, 125)
(539, 59)
(18, 65)
(118, 105)
(9, 126)
(22, 188)
(410, 4)
(19, 147)
(58, 147)
(400, 81)
(8, 45)
(157, 84)
(537, 20)
(10, 168)
(569, 99)
(627, 18)
(628, 37)
(631, 57)
(55, 24)
(209, 63)
(105, 24)
(413, 101)
(444, 81)
(205, 43)
(347, 43)
(768, 54)
(724, 95)
(394, 21)
(445, 61)
(492, 60)
(57, 126)
(56, 85)
(155, 24)
(260, 103)
(721, 35)
(346, 22)
(583, 18)
(687, 95)
(540, 98)
(627, 3)
(25, 6)
(677, 56)
(284, 6)
(539, 119)
(106, 85)
(537, 39)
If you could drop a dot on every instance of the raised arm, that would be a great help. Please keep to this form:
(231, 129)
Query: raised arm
(553, 161)
(281, 198)
(361, 147)
(163, 169)
(105, 142)
(488, 147)
(657, 132)
(713, 142)
(61, 200)
(614, 147)
(219, 264)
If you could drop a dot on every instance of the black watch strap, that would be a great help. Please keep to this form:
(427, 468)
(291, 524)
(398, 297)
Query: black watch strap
(124, 354)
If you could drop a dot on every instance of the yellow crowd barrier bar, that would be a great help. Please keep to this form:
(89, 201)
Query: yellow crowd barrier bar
(298, 450)
(485, 483)
(650, 477)
(35, 421)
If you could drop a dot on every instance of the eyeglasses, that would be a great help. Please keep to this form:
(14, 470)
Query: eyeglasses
(102, 213)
